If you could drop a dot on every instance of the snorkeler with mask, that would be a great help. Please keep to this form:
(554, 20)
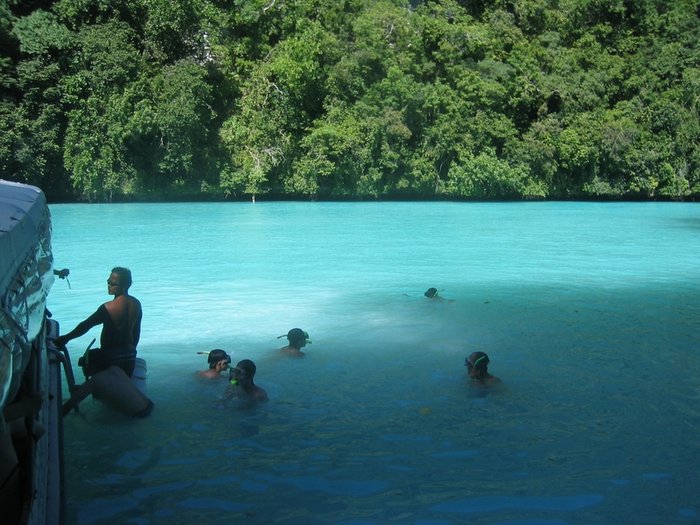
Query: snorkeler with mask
(218, 362)
(298, 339)
(478, 369)
(241, 386)
(434, 295)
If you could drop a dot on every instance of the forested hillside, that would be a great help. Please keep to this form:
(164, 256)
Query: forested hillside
(105, 100)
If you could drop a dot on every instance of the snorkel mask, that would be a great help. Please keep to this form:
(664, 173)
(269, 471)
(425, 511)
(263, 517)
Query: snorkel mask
(234, 374)
(476, 362)
(216, 356)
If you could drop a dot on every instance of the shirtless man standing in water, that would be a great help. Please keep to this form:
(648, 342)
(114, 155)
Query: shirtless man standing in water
(121, 326)
(110, 367)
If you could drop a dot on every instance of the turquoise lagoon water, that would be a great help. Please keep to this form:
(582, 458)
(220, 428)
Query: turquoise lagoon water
(590, 313)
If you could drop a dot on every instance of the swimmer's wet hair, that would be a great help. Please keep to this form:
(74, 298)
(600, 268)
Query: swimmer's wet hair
(248, 366)
(296, 335)
(478, 360)
(431, 292)
(217, 355)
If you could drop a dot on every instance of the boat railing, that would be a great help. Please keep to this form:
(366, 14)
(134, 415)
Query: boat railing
(61, 355)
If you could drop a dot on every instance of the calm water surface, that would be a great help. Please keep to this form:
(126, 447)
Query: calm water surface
(589, 312)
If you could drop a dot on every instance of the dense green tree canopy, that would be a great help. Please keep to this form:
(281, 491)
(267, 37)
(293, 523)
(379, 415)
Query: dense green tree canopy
(480, 99)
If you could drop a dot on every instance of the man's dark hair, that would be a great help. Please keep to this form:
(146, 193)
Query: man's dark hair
(124, 276)
(296, 337)
(478, 361)
(217, 355)
(248, 366)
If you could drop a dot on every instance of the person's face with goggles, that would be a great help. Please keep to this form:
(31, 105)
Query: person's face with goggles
(238, 375)
(222, 365)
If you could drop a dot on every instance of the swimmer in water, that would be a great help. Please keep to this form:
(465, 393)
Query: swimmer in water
(218, 362)
(241, 386)
(432, 293)
(298, 339)
(478, 369)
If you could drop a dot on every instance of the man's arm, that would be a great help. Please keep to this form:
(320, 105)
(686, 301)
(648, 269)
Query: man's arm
(83, 327)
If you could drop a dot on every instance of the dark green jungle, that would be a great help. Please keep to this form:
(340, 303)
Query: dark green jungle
(146, 100)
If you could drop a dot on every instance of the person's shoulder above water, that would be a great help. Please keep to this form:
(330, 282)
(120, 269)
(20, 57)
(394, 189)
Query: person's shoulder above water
(297, 339)
(477, 364)
(218, 361)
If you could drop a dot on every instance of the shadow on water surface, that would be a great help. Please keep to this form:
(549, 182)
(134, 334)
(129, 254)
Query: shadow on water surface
(377, 424)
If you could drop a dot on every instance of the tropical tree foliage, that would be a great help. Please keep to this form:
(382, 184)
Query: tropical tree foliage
(106, 100)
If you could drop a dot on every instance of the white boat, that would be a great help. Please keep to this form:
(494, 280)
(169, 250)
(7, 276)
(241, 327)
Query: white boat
(28, 362)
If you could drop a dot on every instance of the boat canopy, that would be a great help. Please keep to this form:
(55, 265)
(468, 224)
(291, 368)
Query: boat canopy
(26, 276)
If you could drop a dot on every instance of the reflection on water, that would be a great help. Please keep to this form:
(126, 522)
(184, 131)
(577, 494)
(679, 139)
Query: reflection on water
(588, 312)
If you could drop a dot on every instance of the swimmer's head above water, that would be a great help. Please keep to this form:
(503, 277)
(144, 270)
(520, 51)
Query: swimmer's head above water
(242, 386)
(243, 372)
(297, 338)
(431, 292)
(218, 358)
(477, 364)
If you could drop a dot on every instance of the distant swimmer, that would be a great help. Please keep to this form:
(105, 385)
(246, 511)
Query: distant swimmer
(432, 293)
(478, 369)
(218, 361)
(116, 389)
(298, 339)
(241, 387)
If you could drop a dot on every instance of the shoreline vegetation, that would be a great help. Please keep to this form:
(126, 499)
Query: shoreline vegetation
(211, 100)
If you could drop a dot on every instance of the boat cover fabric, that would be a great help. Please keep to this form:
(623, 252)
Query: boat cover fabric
(26, 277)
